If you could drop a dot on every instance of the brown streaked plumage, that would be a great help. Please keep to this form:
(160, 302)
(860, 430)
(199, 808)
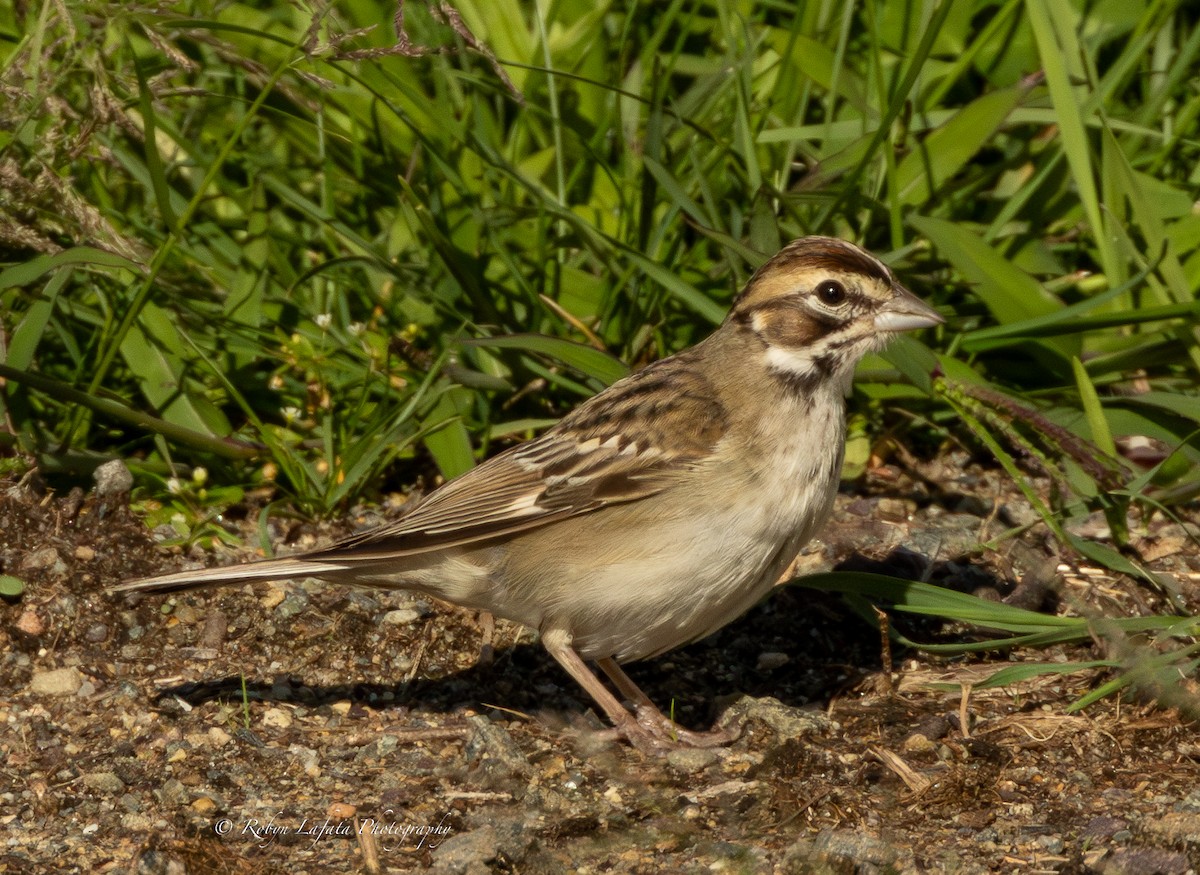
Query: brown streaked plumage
(660, 509)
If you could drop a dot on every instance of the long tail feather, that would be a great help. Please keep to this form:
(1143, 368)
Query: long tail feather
(268, 569)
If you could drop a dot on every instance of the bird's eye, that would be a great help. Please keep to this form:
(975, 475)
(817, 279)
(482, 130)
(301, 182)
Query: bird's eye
(831, 293)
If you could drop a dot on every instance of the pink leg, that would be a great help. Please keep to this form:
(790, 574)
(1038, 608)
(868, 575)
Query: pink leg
(649, 717)
(558, 643)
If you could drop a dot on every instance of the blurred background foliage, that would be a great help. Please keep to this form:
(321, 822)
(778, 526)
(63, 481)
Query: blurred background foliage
(318, 248)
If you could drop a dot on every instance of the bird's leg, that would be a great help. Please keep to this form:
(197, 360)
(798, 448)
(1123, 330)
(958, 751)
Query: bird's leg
(558, 642)
(790, 571)
(655, 720)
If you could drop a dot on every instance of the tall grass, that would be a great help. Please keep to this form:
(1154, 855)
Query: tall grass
(278, 242)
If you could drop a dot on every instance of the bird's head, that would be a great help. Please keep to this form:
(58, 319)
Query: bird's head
(820, 305)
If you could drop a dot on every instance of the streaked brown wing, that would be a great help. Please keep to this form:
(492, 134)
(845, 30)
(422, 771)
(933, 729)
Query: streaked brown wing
(626, 444)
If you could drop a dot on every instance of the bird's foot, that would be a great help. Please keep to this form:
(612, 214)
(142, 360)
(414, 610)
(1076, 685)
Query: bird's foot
(669, 732)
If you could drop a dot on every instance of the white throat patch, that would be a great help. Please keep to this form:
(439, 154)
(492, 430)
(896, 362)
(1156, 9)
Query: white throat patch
(790, 361)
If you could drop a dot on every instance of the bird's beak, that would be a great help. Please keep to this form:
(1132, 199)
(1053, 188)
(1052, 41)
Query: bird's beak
(906, 312)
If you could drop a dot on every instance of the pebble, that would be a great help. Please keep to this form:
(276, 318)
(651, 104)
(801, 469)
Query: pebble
(692, 759)
(85, 554)
(173, 793)
(104, 782)
(136, 823)
(487, 737)
(788, 722)
(31, 624)
(56, 682)
(897, 509)
(277, 718)
(1176, 827)
(218, 737)
(113, 478)
(97, 633)
(41, 558)
(771, 660)
(273, 596)
(341, 811)
(401, 617)
(294, 604)
(918, 743)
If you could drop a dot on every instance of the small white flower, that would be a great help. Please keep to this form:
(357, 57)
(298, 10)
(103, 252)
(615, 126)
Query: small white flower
(290, 414)
(174, 485)
(324, 320)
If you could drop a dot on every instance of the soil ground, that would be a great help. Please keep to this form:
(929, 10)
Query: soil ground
(304, 728)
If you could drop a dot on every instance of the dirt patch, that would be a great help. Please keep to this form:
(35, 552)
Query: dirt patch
(311, 728)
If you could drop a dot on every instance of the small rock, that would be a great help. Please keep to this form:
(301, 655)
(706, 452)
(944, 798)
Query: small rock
(897, 509)
(104, 782)
(1146, 861)
(918, 743)
(692, 759)
(771, 660)
(1020, 514)
(341, 811)
(216, 624)
(499, 747)
(1176, 827)
(45, 557)
(273, 596)
(788, 722)
(1103, 828)
(1053, 844)
(97, 633)
(973, 505)
(173, 793)
(294, 604)
(277, 718)
(31, 624)
(469, 851)
(136, 823)
(401, 617)
(504, 839)
(1094, 527)
(85, 554)
(843, 850)
(113, 478)
(204, 805)
(1190, 802)
(218, 737)
(56, 682)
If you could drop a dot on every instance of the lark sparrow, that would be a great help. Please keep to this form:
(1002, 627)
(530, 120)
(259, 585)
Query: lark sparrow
(662, 508)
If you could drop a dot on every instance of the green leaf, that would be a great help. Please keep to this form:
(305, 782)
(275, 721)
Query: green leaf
(11, 587)
(1101, 436)
(31, 271)
(941, 155)
(1025, 671)
(446, 436)
(587, 360)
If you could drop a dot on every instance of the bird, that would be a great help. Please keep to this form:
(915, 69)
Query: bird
(660, 509)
